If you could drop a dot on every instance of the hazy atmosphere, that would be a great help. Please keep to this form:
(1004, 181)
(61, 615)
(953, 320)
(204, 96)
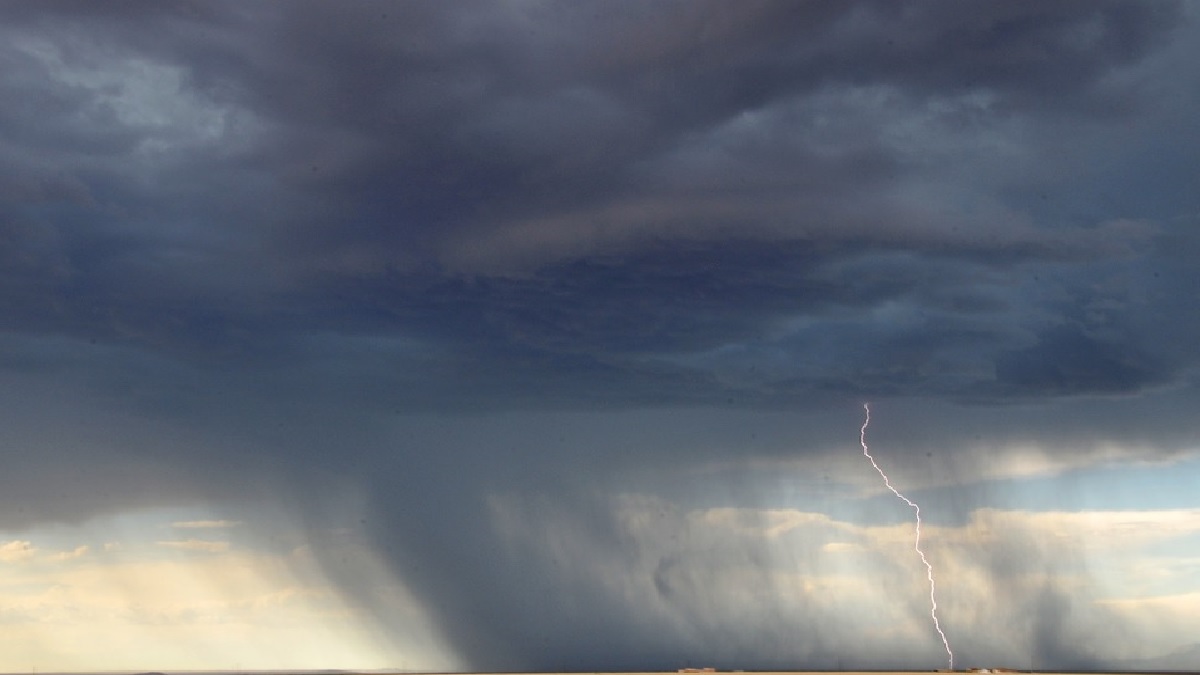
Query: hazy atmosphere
(527, 335)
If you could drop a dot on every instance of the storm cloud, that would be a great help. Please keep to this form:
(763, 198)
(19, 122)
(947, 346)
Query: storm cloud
(545, 282)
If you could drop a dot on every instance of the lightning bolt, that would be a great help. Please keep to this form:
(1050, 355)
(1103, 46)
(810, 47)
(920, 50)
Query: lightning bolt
(862, 438)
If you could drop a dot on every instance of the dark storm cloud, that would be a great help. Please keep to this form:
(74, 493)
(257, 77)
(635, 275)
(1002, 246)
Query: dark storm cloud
(569, 147)
(262, 231)
(1067, 361)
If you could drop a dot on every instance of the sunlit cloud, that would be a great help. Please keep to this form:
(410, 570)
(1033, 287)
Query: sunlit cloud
(205, 524)
(1101, 531)
(768, 523)
(16, 551)
(71, 610)
(201, 545)
(1177, 607)
(75, 553)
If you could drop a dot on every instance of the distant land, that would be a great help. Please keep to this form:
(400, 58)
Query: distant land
(1187, 655)
(1185, 660)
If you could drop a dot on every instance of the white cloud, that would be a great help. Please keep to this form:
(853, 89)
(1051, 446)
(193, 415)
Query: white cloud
(1093, 530)
(197, 545)
(205, 524)
(843, 547)
(17, 551)
(20, 551)
(77, 552)
(1181, 605)
(765, 522)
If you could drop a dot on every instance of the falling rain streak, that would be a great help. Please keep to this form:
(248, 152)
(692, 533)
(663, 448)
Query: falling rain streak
(862, 438)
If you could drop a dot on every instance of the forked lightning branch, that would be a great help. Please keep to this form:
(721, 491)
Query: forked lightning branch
(862, 438)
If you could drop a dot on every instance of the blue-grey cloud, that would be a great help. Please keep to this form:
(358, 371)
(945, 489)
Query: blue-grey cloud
(383, 241)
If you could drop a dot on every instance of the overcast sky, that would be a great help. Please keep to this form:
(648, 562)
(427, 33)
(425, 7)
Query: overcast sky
(536, 335)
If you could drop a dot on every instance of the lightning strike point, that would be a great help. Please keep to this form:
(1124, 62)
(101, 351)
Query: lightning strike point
(862, 439)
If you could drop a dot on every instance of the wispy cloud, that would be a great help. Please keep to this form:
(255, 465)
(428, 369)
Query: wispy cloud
(202, 545)
(73, 554)
(17, 551)
(205, 524)
(21, 551)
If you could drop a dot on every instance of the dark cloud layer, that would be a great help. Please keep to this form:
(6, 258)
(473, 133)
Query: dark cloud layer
(261, 234)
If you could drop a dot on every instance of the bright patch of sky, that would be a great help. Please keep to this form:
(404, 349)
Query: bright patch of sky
(168, 589)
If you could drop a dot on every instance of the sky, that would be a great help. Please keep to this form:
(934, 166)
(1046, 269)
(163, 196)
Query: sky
(525, 335)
